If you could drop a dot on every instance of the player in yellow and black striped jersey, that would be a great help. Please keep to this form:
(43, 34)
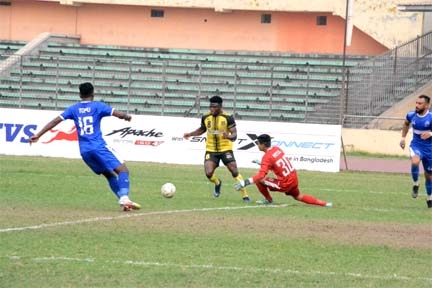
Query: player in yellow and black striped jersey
(221, 132)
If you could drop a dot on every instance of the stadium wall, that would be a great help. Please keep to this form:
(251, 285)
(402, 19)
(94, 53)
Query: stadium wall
(379, 19)
(374, 141)
(127, 25)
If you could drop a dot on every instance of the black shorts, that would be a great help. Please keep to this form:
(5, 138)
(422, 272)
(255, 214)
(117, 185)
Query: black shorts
(216, 157)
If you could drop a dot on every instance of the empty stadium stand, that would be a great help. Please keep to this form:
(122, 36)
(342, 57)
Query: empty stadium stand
(178, 82)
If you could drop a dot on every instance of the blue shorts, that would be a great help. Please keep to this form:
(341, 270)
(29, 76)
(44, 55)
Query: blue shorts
(424, 154)
(104, 159)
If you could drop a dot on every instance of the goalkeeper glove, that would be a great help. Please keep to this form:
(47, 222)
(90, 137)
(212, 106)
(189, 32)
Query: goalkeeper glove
(257, 161)
(241, 184)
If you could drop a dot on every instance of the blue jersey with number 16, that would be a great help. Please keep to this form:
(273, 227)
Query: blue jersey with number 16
(87, 116)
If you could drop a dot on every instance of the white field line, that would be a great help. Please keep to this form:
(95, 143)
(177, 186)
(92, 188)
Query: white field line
(131, 215)
(226, 268)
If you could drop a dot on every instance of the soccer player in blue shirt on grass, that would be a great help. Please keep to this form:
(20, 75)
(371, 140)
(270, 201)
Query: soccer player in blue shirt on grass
(102, 159)
(421, 144)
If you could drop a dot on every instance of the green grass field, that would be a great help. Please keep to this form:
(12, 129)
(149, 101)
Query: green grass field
(60, 226)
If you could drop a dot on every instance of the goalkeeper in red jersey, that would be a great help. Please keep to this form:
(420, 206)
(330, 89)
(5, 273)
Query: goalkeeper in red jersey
(286, 180)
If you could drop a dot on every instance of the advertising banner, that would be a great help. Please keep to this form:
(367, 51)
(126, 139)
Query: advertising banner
(160, 139)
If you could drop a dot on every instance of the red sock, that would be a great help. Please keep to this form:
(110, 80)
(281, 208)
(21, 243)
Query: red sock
(263, 189)
(308, 199)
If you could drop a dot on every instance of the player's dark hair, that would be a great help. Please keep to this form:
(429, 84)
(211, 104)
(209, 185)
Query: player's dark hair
(426, 98)
(216, 99)
(264, 139)
(86, 89)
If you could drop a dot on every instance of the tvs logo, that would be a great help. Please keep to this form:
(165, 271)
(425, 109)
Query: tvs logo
(70, 135)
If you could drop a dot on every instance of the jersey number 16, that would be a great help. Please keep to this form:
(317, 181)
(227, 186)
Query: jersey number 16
(86, 125)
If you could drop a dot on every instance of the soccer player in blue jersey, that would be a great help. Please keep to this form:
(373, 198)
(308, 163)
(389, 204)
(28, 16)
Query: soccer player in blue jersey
(102, 159)
(421, 144)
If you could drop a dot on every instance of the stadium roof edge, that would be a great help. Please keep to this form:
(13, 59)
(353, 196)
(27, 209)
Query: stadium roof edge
(224, 6)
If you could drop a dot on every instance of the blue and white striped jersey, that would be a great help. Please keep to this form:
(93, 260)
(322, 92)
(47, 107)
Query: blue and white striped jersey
(419, 125)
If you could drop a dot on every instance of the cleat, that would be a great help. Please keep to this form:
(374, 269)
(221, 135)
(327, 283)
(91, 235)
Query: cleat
(136, 206)
(264, 202)
(129, 205)
(217, 189)
(329, 204)
(415, 191)
(429, 203)
(246, 199)
(126, 207)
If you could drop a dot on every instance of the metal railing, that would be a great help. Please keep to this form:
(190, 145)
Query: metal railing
(297, 93)
(379, 83)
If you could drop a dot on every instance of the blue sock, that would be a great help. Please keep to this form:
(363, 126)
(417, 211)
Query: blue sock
(114, 185)
(428, 184)
(415, 170)
(123, 182)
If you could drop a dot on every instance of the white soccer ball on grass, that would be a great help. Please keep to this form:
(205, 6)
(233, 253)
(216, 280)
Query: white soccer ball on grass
(168, 190)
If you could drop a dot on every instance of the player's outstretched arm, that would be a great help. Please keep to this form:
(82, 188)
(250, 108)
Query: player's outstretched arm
(45, 129)
(122, 115)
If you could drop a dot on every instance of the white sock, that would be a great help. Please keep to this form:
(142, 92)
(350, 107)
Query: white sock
(124, 199)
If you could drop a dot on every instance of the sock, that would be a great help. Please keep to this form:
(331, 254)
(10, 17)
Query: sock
(124, 199)
(428, 184)
(243, 190)
(308, 199)
(415, 169)
(214, 179)
(113, 183)
(123, 182)
(263, 190)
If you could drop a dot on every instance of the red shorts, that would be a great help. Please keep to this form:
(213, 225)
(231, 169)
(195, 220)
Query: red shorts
(288, 186)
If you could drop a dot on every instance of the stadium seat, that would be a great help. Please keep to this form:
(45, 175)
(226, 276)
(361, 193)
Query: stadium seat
(145, 79)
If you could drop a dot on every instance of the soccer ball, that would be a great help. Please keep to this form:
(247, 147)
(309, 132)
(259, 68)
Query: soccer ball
(168, 190)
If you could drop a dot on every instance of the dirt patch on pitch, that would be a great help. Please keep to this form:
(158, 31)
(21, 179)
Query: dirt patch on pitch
(391, 235)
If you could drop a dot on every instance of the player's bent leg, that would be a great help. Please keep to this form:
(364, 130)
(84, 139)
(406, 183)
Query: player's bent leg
(209, 167)
(243, 191)
(415, 172)
(428, 184)
(113, 182)
(308, 199)
(262, 188)
(218, 185)
(415, 190)
(232, 167)
(124, 188)
(217, 189)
